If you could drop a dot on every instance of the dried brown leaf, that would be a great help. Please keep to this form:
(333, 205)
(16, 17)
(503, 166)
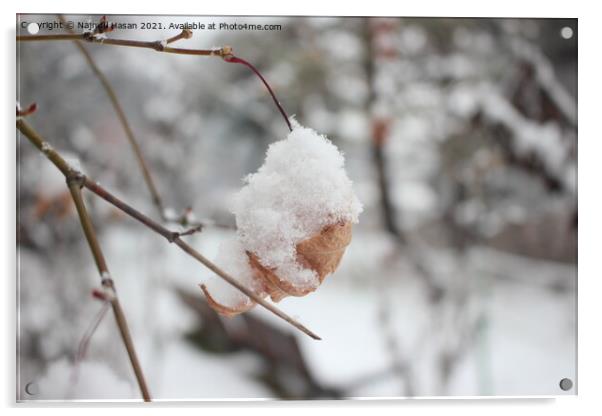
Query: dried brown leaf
(321, 253)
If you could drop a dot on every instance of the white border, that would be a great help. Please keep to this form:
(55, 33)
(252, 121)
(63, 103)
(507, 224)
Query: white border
(590, 209)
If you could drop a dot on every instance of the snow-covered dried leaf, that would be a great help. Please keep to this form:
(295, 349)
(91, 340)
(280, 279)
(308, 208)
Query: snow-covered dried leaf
(294, 219)
(321, 253)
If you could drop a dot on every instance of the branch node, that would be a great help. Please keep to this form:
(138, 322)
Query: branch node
(75, 178)
(108, 286)
(226, 52)
(173, 236)
(160, 45)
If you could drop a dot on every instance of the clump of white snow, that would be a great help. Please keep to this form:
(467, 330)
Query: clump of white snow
(301, 188)
(233, 260)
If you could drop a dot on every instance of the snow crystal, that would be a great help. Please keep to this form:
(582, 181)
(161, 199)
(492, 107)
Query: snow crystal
(90, 380)
(301, 188)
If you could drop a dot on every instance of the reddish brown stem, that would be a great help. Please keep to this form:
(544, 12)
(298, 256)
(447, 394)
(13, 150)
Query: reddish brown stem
(237, 60)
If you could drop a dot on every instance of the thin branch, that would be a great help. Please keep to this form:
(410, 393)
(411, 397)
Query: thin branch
(196, 229)
(74, 182)
(85, 341)
(174, 237)
(124, 122)
(171, 236)
(185, 34)
(87, 337)
(237, 60)
(99, 37)
(158, 46)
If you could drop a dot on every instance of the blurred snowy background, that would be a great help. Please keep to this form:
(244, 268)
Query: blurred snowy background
(460, 136)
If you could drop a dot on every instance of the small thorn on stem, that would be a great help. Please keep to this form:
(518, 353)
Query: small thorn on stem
(196, 229)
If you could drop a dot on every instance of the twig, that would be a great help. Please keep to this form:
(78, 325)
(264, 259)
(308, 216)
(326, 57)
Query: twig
(98, 37)
(85, 341)
(171, 236)
(125, 123)
(196, 229)
(174, 237)
(185, 34)
(237, 60)
(75, 183)
(155, 45)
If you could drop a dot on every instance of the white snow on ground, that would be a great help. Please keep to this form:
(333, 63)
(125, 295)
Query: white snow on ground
(526, 347)
(88, 381)
(187, 373)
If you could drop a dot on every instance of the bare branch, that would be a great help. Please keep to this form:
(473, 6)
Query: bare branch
(74, 183)
(171, 236)
(99, 37)
(174, 237)
(223, 52)
(196, 229)
(148, 179)
(237, 60)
